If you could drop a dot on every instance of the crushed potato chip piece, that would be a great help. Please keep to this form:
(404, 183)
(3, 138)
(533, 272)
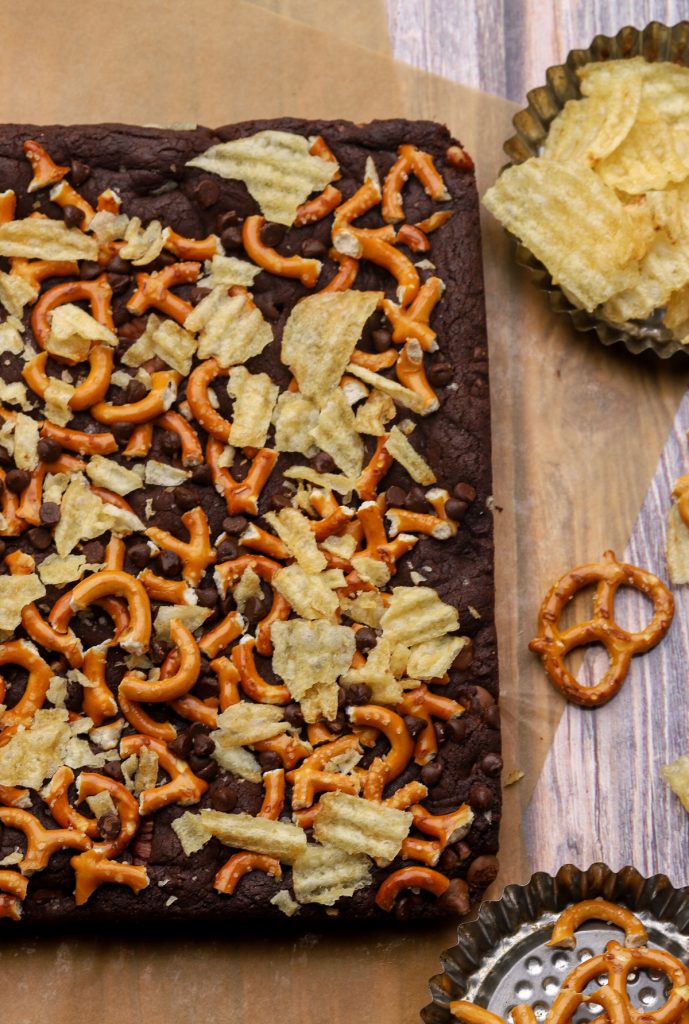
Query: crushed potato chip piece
(310, 655)
(57, 572)
(328, 481)
(377, 674)
(15, 293)
(173, 345)
(15, 394)
(254, 398)
(45, 239)
(294, 531)
(147, 771)
(109, 474)
(372, 570)
(295, 417)
(26, 438)
(73, 330)
(415, 614)
(143, 245)
(84, 516)
(191, 832)
(15, 593)
(404, 452)
(361, 826)
(190, 615)
(244, 724)
(143, 348)
(10, 339)
(343, 547)
(284, 902)
(336, 434)
(240, 761)
(100, 804)
(260, 835)
(276, 167)
(164, 475)
(228, 271)
(397, 392)
(320, 336)
(248, 586)
(310, 594)
(677, 552)
(57, 397)
(323, 874)
(676, 775)
(376, 411)
(366, 608)
(34, 754)
(431, 659)
(231, 328)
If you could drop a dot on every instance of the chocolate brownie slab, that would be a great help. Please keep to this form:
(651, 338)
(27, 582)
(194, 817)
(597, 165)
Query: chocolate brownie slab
(248, 652)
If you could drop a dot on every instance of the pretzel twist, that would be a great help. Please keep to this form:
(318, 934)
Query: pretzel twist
(241, 495)
(41, 843)
(65, 195)
(598, 910)
(145, 724)
(447, 828)
(408, 878)
(197, 553)
(410, 161)
(319, 207)
(411, 373)
(422, 703)
(184, 787)
(240, 864)
(191, 248)
(136, 687)
(99, 702)
(554, 644)
(395, 731)
(153, 291)
(13, 524)
(252, 682)
(290, 749)
(111, 583)
(374, 471)
(32, 496)
(93, 869)
(306, 271)
(90, 784)
(358, 243)
(159, 399)
(90, 391)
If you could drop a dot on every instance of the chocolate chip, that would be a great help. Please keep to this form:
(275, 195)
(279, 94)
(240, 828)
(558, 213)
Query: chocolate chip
(3, 548)
(231, 238)
(255, 610)
(279, 501)
(113, 770)
(171, 522)
(202, 476)
(186, 497)
(294, 716)
(159, 650)
(207, 597)
(48, 450)
(492, 716)
(491, 765)
(197, 294)
(463, 851)
(119, 266)
(312, 249)
(120, 316)
(415, 500)
(89, 269)
(465, 657)
(481, 797)
(139, 554)
(181, 746)
(431, 773)
(39, 538)
(170, 563)
(482, 699)
(414, 724)
(222, 796)
(205, 769)
(323, 463)
(440, 373)
(272, 234)
(133, 329)
(359, 693)
(79, 172)
(49, 513)
(465, 492)
(382, 340)
(202, 745)
(448, 859)
(207, 192)
(407, 906)
(119, 283)
(266, 304)
(207, 686)
(136, 391)
(439, 729)
(72, 216)
(227, 219)
(269, 760)
(455, 509)
(456, 898)
(17, 480)
(122, 431)
(483, 871)
(456, 730)
(109, 826)
(227, 550)
(234, 525)
(365, 639)
(143, 843)
(5, 457)
(94, 550)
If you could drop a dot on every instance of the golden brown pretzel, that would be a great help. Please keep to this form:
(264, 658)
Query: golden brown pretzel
(554, 644)
(596, 910)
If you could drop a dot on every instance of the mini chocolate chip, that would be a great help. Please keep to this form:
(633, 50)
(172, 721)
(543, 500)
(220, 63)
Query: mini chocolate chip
(406, 906)
(481, 797)
(491, 765)
(139, 554)
(202, 476)
(492, 716)
(483, 871)
(323, 463)
(5, 457)
(94, 550)
(133, 329)
(198, 293)
(74, 698)
(226, 220)
(17, 480)
(205, 769)
(465, 492)
(79, 172)
(266, 304)
(207, 686)
(227, 550)
(122, 431)
(170, 563)
(234, 525)
(169, 520)
(439, 373)
(143, 843)
(269, 760)
(186, 498)
(431, 773)
(312, 249)
(202, 745)
(463, 851)
(481, 699)
(231, 238)
(207, 192)
(365, 638)
(119, 266)
(181, 746)
(456, 730)
(39, 538)
(448, 859)
(49, 513)
(48, 450)
(109, 826)
(89, 269)
(120, 316)
(455, 509)
(359, 693)
(159, 650)
(255, 610)
(465, 657)
(113, 770)
(135, 391)
(222, 796)
(416, 500)
(395, 497)
(72, 216)
(272, 234)
(382, 340)
(3, 548)
(414, 724)
(294, 716)
(207, 597)
(119, 283)
(456, 897)
(439, 728)
(279, 501)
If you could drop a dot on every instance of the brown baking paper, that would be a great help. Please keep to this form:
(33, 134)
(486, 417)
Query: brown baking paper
(577, 431)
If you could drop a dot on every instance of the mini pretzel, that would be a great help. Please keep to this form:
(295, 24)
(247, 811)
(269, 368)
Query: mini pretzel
(377, 545)
(9, 504)
(267, 543)
(411, 373)
(153, 290)
(144, 723)
(240, 864)
(318, 759)
(393, 728)
(93, 869)
(91, 390)
(319, 207)
(90, 784)
(364, 199)
(97, 293)
(45, 170)
(108, 202)
(422, 703)
(252, 682)
(12, 796)
(331, 523)
(36, 271)
(135, 687)
(79, 441)
(447, 828)
(192, 452)
(184, 787)
(196, 553)
(435, 221)
(229, 572)
(8, 206)
(304, 270)
(554, 644)
(117, 584)
(241, 495)
(290, 749)
(19, 652)
(159, 399)
(41, 843)
(598, 910)
(30, 505)
(307, 783)
(406, 796)
(99, 702)
(140, 442)
(222, 635)
(413, 238)
(159, 588)
(196, 710)
(191, 248)
(371, 475)
(65, 195)
(410, 878)
(427, 851)
(274, 794)
(357, 243)
(197, 397)
(400, 520)
(346, 275)
(374, 360)
(410, 161)
(470, 1013)
(459, 158)
(413, 322)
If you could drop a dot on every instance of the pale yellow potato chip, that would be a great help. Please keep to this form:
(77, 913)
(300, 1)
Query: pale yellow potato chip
(15, 593)
(377, 674)
(191, 832)
(231, 329)
(100, 804)
(240, 761)
(397, 392)
(591, 128)
(342, 547)
(677, 551)
(73, 330)
(361, 826)
(10, 338)
(15, 394)
(107, 473)
(143, 245)
(415, 614)
(664, 269)
(173, 345)
(324, 874)
(310, 594)
(376, 411)
(276, 168)
(107, 226)
(26, 438)
(319, 702)
(329, 481)
(245, 723)
(228, 271)
(320, 336)
(556, 211)
(45, 239)
(665, 86)
(669, 209)
(254, 396)
(311, 654)
(163, 475)
(294, 531)
(57, 397)
(143, 348)
(676, 315)
(284, 902)
(259, 835)
(371, 570)
(366, 608)
(651, 157)
(336, 434)
(431, 659)
(404, 452)
(676, 775)
(146, 772)
(58, 572)
(190, 615)
(35, 753)
(84, 516)
(295, 417)
(15, 293)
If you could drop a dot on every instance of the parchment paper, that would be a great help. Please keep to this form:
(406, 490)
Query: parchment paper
(577, 433)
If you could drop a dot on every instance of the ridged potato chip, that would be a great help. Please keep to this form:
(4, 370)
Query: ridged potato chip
(664, 269)
(322, 874)
(650, 157)
(259, 835)
(361, 826)
(590, 129)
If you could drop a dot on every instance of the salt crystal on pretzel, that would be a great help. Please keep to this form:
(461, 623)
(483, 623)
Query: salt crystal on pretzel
(407, 456)
(415, 614)
(259, 835)
(324, 874)
(254, 397)
(45, 239)
(431, 659)
(336, 434)
(228, 271)
(26, 437)
(243, 724)
(320, 336)
(73, 330)
(143, 245)
(231, 328)
(372, 416)
(15, 293)
(191, 832)
(360, 826)
(295, 416)
(295, 532)
(277, 168)
(107, 473)
(191, 616)
(312, 654)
